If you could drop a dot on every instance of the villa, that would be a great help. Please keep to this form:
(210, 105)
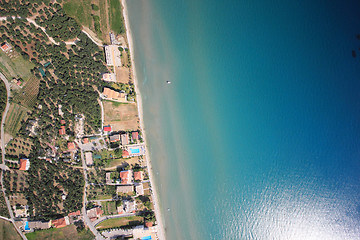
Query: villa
(61, 222)
(115, 138)
(126, 177)
(62, 130)
(129, 206)
(138, 176)
(6, 47)
(135, 136)
(94, 213)
(24, 164)
(139, 189)
(71, 146)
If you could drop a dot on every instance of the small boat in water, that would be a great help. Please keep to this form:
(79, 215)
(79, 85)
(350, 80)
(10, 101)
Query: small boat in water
(168, 82)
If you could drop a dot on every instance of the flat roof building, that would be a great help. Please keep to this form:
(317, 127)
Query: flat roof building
(124, 139)
(115, 95)
(109, 77)
(89, 158)
(113, 55)
(125, 189)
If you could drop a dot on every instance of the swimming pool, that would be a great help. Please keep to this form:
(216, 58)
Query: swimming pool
(27, 226)
(134, 150)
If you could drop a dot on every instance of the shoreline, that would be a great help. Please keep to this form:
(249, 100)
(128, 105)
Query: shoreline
(159, 220)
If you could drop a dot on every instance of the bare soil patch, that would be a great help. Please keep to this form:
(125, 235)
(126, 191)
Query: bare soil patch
(121, 117)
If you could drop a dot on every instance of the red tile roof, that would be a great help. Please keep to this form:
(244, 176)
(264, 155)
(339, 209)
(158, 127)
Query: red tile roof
(148, 224)
(5, 47)
(135, 135)
(77, 213)
(71, 145)
(138, 176)
(125, 153)
(107, 129)
(23, 164)
(62, 121)
(99, 212)
(124, 176)
(62, 130)
(59, 223)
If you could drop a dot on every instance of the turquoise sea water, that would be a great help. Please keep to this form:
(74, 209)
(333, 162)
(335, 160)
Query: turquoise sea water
(258, 136)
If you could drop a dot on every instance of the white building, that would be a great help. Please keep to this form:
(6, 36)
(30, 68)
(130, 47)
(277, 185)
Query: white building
(113, 55)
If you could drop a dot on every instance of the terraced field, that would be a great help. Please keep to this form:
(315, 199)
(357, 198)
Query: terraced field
(27, 95)
(16, 114)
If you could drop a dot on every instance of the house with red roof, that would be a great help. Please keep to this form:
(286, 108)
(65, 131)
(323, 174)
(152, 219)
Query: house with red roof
(71, 146)
(125, 154)
(94, 213)
(62, 122)
(85, 140)
(24, 164)
(126, 177)
(62, 130)
(135, 136)
(5, 47)
(107, 128)
(74, 214)
(138, 176)
(61, 222)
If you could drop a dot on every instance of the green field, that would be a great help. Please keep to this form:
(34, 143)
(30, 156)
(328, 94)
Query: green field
(14, 117)
(28, 94)
(80, 10)
(8, 231)
(109, 208)
(68, 232)
(16, 67)
(118, 222)
(116, 18)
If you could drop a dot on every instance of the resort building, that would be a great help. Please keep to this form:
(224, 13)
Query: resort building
(125, 189)
(113, 55)
(124, 139)
(135, 150)
(24, 164)
(6, 47)
(114, 95)
(61, 222)
(89, 158)
(126, 177)
(125, 154)
(115, 138)
(109, 77)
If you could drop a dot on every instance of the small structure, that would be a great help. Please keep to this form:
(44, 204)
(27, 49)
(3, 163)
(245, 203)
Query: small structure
(126, 177)
(129, 206)
(138, 176)
(115, 138)
(124, 139)
(74, 214)
(21, 212)
(61, 222)
(24, 164)
(62, 130)
(62, 122)
(135, 136)
(113, 55)
(6, 47)
(107, 128)
(39, 225)
(114, 95)
(125, 189)
(89, 158)
(71, 146)
(109, 77)
(94, 213)
(139, 189)
(85, 140)
(125, 154)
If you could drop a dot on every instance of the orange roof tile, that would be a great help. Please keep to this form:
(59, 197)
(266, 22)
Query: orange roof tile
(77, 213)
(71, 145)
(125, 153)
(62, 130)
(138, 176)
(124, 176)
(23, 163)
(59, 223)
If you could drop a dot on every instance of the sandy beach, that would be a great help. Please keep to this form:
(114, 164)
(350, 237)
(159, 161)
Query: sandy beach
(159, 219)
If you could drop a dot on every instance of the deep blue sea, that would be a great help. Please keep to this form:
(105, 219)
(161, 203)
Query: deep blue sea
(258, 136)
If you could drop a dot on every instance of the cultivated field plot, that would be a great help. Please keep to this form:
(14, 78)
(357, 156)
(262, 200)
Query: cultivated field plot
(16, 67)
(17, 186)
(68, 232)
(14, 117)
(121, 116)
(19, 146)
(8, 231)
(118, 222)
(122, 74)
(109, 208)
(27, 95)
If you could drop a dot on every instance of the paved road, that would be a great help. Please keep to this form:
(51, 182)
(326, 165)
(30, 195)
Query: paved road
(7, 85)
(87, 221)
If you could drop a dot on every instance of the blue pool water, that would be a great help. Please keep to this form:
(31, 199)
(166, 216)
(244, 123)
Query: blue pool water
(275, 82)
(27, 226)
(134, 150)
